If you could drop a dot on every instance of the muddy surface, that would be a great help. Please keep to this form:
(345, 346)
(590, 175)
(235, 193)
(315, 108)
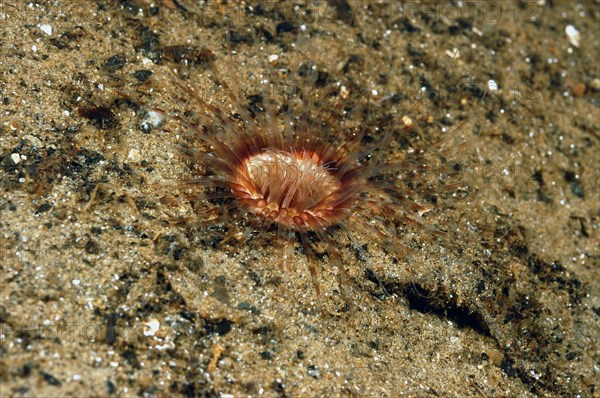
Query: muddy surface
(103, 295)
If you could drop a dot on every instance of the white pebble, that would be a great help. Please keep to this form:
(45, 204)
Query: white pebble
(152, 119)
(492, 85)
(134, 155)
(15, 158)
(47, 29)
(151, 327)
(573, 35)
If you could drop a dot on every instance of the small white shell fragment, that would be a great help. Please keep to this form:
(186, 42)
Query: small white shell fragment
(47, 29)
(573, 35)
(151, 327)
(152, 119)
(454, 53)
(273, 57)
(15, 157)
(135, 155)
(492, 85)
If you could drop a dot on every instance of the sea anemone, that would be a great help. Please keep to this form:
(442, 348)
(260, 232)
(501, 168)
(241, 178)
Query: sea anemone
(316, 170)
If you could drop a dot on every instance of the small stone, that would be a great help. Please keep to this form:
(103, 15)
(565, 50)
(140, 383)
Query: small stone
(577, 189)
(219, 328)
(153, 119)
(142, 75)
(151, 327)
(44, 207)
(284, 27)
(573, 35)
(114, 63)
(91, 247)
(134, 155)
(492, 85)
(15, 157)
(50, 379)
(314, 371)
(47, 29)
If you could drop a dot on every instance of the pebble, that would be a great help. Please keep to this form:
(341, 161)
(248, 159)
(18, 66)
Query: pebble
(47, 29)
(134, 155)
(314, 371)
(115, 63)
(142, 75)
(153, 119)
(151, 327)
(573, 35)
(50, 379)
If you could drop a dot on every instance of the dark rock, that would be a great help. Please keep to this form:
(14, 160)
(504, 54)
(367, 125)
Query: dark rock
(284, 27)
(114, 63)
(50, 379)
(142, 75)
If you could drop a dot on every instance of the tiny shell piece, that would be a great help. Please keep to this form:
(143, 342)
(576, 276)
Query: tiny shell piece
(573, 35)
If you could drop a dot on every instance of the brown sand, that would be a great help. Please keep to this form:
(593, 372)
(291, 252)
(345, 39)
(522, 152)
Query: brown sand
(101, 297)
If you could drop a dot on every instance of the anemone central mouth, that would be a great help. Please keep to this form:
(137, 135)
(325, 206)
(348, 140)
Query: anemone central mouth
(291, 188)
